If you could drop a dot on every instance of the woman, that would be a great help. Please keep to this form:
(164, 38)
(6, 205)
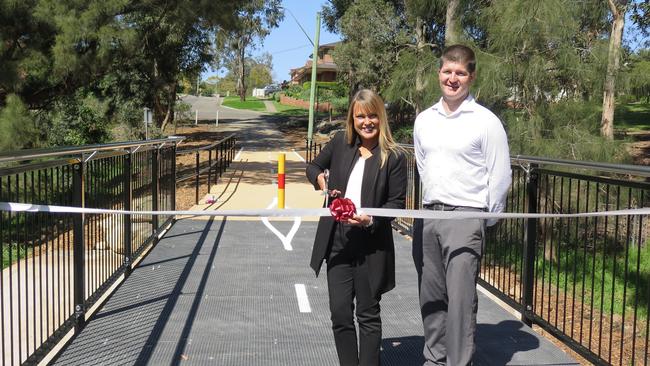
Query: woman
(368, 167)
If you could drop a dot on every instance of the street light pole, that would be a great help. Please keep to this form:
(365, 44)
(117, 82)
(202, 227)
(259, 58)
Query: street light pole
(312, 94)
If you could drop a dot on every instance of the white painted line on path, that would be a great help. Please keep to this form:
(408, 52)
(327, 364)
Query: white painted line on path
(303, 300)
(239, 153)
(299, 157)
(286, 240)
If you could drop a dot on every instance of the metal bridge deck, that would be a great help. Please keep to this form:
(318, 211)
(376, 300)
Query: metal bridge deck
(219, 292)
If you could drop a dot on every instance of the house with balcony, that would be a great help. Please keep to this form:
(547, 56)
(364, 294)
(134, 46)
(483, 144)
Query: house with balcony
(326, 69)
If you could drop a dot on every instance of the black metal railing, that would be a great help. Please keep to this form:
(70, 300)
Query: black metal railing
(584, 280)
(201, 167)
(311, 150)
(413, 198)
(57, 266)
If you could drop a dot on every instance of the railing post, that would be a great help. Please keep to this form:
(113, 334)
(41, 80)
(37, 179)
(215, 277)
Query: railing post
(222, 159)
(173, 183)
(128, 199)
(155, 189)
(231, 150)
(417, 200)
(209, 169)
(197, 172)
(530, 243)
(78, 190)
(233, 143)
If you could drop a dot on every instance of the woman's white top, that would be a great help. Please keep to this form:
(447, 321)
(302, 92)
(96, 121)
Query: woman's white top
(353, 190)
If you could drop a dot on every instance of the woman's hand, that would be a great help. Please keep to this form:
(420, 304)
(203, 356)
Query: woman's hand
(321, 183)
(360, 220)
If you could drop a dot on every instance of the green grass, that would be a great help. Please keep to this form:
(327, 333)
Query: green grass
(15, 252)
(633, 117)
(604, 273)
(251, 103)
(289, 111)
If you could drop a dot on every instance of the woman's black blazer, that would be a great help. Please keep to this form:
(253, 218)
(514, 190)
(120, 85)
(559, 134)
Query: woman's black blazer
(383, 187)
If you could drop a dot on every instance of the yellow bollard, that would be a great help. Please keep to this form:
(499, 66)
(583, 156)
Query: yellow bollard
(281, 181)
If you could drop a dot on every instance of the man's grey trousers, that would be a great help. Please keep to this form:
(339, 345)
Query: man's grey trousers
(447, 255)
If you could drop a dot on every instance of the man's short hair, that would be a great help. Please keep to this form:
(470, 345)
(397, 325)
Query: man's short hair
(460, 54)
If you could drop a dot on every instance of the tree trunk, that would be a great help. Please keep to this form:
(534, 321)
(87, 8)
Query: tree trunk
(241, 69)
(171, 101)
(157, 108)
(451, 24)
(353, 86)
(613, 65)
(420, 83)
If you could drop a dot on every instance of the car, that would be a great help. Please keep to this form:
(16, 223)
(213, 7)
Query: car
(270, 89)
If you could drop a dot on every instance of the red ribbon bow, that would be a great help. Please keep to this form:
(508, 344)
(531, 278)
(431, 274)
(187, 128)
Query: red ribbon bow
(342, 209)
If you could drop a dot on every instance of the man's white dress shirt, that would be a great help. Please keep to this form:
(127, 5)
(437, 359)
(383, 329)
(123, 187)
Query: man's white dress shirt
(463, 158)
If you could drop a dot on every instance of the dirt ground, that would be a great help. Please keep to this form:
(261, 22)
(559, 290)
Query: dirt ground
(640, 148)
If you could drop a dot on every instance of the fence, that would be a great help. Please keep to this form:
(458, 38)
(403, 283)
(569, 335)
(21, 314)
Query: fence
(204, 165)
(584, 280)
(311, 150)
(64, 263)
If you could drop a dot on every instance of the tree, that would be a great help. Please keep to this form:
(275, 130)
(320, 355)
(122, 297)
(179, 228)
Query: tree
(254, 22)
(639, 75)
(372, 34)
(618, 8)
(334, 11)
(452, 33)
(259, 76)
(641, 17)
(17, 126)
(127, 54)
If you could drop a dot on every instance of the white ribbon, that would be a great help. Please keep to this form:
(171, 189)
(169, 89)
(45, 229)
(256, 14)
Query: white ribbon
(294, 212)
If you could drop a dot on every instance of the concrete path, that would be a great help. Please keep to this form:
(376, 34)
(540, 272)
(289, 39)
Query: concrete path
(270, 107)
(251, 183)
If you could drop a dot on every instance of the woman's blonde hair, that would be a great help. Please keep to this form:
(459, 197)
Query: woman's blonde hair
(371, 103)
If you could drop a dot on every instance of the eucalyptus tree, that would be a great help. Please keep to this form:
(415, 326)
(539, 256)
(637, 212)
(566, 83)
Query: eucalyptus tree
(373, 34)
(253, 23)
(618, 9)
(404, 39)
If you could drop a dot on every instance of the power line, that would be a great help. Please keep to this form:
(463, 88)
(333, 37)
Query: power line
(299, 25)
(289, 49)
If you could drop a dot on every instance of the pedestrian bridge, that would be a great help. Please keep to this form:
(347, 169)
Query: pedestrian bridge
(227, 292)
(169, 289)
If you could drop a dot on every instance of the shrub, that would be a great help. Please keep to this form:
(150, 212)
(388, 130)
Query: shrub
(339, 105)
(334, 89)
(564, 130)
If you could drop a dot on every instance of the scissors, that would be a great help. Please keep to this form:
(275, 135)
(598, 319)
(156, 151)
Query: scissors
(326, 191)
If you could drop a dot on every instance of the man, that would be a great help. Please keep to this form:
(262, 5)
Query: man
(462, 156)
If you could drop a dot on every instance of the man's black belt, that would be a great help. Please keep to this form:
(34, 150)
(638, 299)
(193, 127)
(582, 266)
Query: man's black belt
(439, 206)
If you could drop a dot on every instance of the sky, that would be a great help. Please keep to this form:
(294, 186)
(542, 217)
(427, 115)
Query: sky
(287, 44)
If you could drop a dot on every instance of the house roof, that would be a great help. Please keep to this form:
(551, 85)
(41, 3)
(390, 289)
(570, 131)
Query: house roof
(329, 45)
(299, 71)
(324, 66)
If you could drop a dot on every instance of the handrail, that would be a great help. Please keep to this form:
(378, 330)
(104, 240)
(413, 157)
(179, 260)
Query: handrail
(207, 147)
(71, 150)
(640, 170)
